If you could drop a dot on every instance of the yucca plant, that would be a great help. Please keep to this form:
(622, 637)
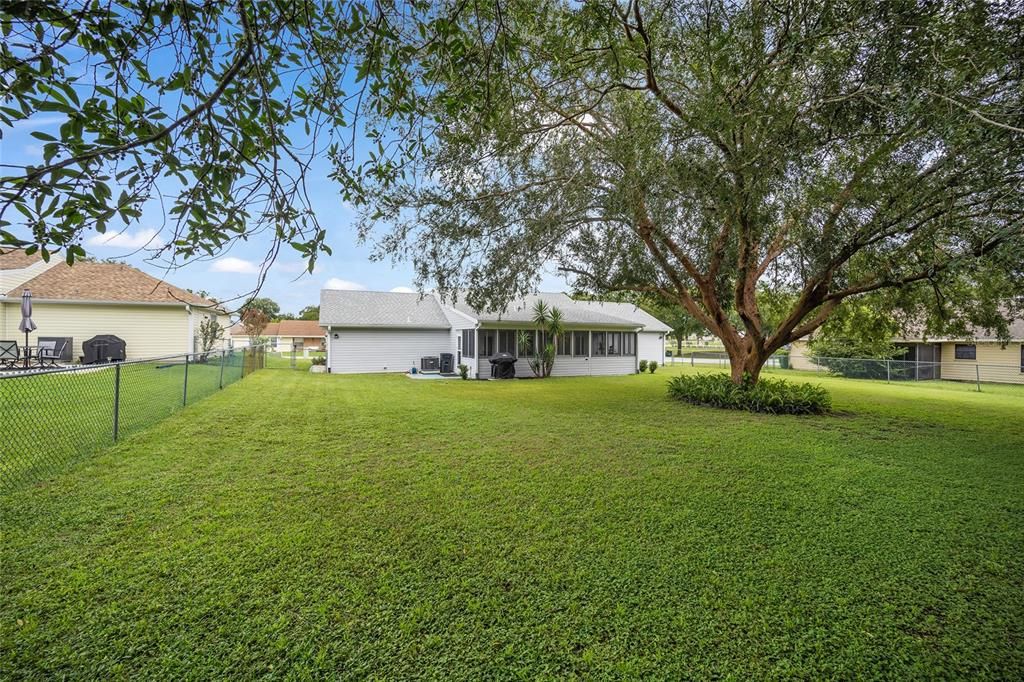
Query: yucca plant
(550, 322)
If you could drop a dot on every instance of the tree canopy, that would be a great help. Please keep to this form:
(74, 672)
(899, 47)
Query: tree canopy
(216, 110)
(268, 306)
(707, 152)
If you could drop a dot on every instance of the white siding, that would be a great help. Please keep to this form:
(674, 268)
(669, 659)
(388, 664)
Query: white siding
(148, 330)
(357, 351)
(651, 346)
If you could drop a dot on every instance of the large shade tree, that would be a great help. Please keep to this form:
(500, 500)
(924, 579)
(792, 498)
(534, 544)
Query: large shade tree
(705, 152)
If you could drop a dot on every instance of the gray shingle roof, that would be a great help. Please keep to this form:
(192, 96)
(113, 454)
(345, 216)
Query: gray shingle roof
(380, 309)
(599, 313)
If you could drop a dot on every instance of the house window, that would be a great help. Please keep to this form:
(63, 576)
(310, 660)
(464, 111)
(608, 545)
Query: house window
(468, 345)
(581, 344)
(598, 339)
(527, 342)
(488, 343)
(965, 351)
(507, 341)
(565, 343)
(1022, 358)
(614, 343)
(628, 343)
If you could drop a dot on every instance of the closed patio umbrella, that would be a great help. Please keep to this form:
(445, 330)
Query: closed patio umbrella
(26, 325)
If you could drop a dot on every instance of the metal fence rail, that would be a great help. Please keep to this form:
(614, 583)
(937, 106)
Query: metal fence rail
(49, 417)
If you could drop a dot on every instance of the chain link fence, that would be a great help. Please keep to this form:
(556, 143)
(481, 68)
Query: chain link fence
(874, 368)
(49, 417)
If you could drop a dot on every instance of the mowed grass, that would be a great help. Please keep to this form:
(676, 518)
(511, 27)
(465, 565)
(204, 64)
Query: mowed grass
(311, 526)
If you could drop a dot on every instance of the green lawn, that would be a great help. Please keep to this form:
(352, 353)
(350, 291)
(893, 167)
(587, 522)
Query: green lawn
(48, 419)
(321, 526)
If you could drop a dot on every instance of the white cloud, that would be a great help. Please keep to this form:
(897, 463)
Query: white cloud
(403, 290)
(343, 284)
(297, 267)
(232, 264)
(40, 121)
(126, 240)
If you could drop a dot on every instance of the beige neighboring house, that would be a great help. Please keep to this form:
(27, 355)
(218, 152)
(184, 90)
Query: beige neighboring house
(154, 318)
(283, 336)
(981, 357)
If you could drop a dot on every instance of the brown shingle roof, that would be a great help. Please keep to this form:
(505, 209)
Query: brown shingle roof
(89, 281)
(16, 259)
(293, 328)
(305, 328)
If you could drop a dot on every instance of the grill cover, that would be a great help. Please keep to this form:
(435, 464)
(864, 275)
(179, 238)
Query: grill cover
(503, 366)
(103, 347)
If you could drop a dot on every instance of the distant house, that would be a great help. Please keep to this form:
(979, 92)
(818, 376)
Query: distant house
(284, 336)
(154, 318)
(980, 356)
(369, 331)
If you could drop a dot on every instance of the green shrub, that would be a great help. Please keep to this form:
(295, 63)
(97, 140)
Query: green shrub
(775, 396)
(643, 366)
(464, 372)
(652, 366)
(319, 360)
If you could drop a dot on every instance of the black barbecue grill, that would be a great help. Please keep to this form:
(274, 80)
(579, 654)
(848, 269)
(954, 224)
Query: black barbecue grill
(103, 348)
(503, 366)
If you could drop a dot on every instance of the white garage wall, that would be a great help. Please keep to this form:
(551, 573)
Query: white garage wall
(358, 351)
(651, 346)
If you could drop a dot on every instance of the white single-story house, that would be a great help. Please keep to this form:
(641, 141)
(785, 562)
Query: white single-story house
(979, 357)
(371, 331)
(284, 336)
(89, 298)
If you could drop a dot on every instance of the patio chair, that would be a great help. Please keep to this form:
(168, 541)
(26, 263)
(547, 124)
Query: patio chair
(49, 352)
(10, 353)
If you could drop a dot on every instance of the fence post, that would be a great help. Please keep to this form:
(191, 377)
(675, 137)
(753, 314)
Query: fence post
(223, 355)
(887, 374)
(117, 399)
(184, 394)
(977, 375)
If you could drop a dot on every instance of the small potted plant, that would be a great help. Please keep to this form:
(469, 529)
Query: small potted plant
(319, 365)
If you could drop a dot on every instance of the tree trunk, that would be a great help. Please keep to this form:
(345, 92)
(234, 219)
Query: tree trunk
(746, 363)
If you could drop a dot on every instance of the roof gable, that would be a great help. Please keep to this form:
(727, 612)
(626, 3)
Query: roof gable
(380, 309)
(116, 282)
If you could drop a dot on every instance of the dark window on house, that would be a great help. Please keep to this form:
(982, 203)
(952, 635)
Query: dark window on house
(1022, 358)
(565, 343)
(527, 339)
(580, 344)
(965, 351)
(629, 343)
(614, 343)
(488, 343)
(468, 346)
(598, 339)
(507, 341)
